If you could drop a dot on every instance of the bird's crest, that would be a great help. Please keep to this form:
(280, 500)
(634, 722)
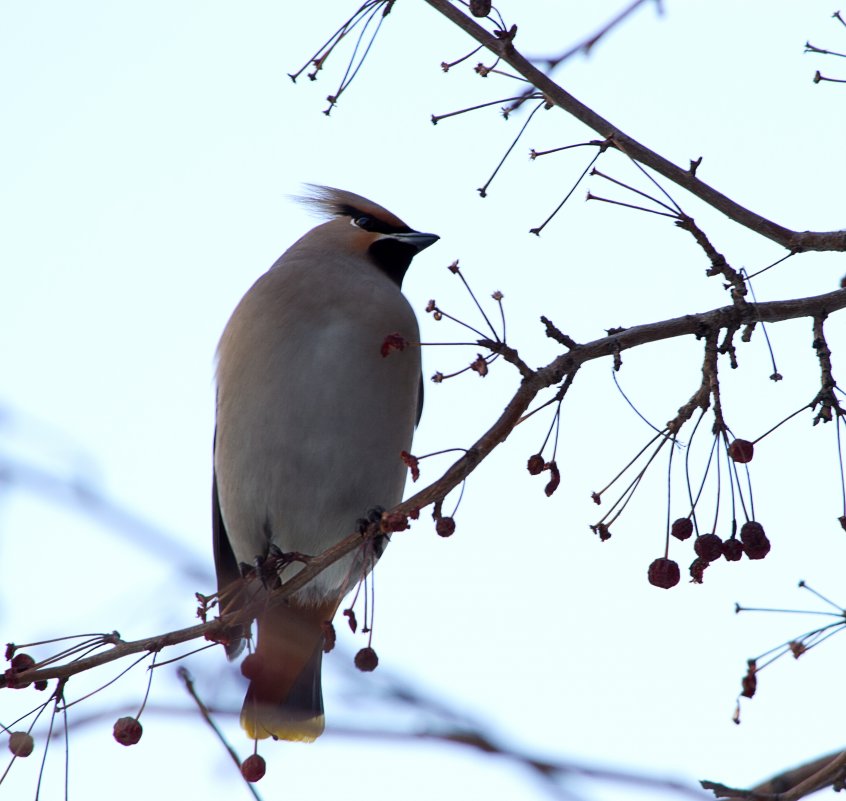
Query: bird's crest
(327, 200)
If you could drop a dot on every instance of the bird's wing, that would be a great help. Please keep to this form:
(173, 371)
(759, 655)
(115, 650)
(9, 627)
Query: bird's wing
(225, 563)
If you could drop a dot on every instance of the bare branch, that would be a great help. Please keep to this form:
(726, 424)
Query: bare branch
(818, 774)
(797, 241)
(532, 384)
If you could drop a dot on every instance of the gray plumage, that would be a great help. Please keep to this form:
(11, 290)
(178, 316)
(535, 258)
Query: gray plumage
(311, 420)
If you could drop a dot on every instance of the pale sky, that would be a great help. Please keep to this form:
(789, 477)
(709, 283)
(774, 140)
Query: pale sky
(149, 153)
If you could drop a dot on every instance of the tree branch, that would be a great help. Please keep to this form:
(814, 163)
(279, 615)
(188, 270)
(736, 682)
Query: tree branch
(530, 386)
(790, 786)
(795, 241)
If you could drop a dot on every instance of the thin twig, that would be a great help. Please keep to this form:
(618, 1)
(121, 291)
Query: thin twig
(188, 681)
(504, 48)
(547, 376)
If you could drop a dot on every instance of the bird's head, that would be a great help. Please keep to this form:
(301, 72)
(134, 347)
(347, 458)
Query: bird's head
(363, 228)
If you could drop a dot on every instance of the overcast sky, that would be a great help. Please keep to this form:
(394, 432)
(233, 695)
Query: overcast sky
(149, 153)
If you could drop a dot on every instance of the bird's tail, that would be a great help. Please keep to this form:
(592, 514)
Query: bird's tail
(284, 699)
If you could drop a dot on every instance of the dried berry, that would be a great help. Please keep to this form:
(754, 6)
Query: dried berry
(708, 547)
(349, 614)
(750, 680)
(127, 731)
(741, 450)
(328, 636)
(535, 465)
(22, 662)
(682, 528)
(366, 660)
(445, 526)
(394, 522)
(663, 573)
(480, 365)
(391, 342)
(480, 8)
(554, 479)
(697, 570)
(732, 550)
(412, 463)
(21, 743)
(602, 530)
(755, 542)
(797, 648)
(253, 768)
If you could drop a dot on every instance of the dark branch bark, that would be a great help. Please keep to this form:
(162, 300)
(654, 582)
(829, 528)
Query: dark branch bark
(540, 379)
(795, 241)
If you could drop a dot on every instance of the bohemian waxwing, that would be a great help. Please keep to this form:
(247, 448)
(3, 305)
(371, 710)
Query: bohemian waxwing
(311, 421)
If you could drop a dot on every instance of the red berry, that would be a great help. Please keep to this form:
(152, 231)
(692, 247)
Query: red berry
(253, 768)
(445, 526)
(22, 662)
(755, 542)
(535, 465)
(741, 450)
(19, 663)
(732, 550)
(663, 573)
(682, 528)
(366, 660)
(394, 522)
(127, 731)
(708, 547)
(21, 743)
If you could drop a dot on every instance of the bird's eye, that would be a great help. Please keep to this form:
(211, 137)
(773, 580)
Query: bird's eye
(365, 222)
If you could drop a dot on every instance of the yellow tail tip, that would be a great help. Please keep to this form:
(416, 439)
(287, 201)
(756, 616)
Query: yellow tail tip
(280, 727)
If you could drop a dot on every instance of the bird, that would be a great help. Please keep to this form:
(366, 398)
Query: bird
(311, 420)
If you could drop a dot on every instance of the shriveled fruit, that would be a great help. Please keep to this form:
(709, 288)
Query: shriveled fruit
(445, 527)
(732, 550)
(682, 528)
(697, 569)
(708, 547)
(253, 768)
(755, 542)
(127, 731)
(741, 450)
(21, 743)
(366, 659)
(663, 573)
